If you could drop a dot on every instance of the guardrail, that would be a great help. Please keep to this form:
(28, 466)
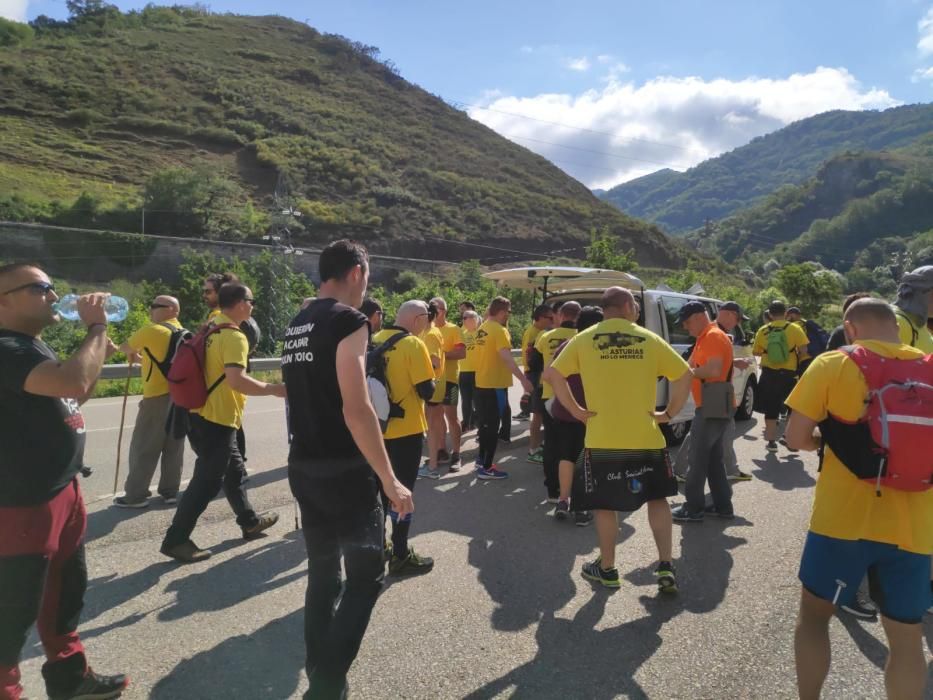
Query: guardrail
(259, 364)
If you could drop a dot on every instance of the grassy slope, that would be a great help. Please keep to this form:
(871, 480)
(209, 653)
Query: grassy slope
(369, 154)
(720, 186)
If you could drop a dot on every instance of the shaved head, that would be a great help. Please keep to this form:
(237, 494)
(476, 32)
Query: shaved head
(412, 316)
(619, 303)
(166, 299)
(871, 319)
(569, 311)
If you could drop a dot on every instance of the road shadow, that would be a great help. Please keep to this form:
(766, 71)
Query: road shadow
(783, 474)
(872, 649)
(267, 663)
(577, 660)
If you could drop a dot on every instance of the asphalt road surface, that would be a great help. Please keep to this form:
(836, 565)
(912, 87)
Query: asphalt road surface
(504, 613)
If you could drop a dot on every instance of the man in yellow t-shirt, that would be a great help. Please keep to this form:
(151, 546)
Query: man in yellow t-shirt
(913, 306)
(540, 358)
(624, 464)
(495, 368)
(454, 352)
(468, 369)
(542, 320)
(780, 344)
(151, 345)
(213, 431)
(410, 378)
(434, 410)
(210, 291)
(853, 531)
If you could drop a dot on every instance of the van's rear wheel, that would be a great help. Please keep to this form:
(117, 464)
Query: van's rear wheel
(674, 433)
(747, 406)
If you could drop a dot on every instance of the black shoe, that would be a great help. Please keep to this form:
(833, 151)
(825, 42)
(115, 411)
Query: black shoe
(582, 518)
(96, 687)
(410, 565)
(124, 502)
(455, 464)
(682, 515)
(771, 446)
(788, 447)
(725, 515)
(186, 552)
(562, 510)
(442, 456)
(596, 573)
(264, 523)
(667, 577)
(861, 607)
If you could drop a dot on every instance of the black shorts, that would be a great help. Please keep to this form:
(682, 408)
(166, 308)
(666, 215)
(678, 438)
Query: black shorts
(774, 386)
(537, 403)
(451, 394)
(621, 480)
(569, 437)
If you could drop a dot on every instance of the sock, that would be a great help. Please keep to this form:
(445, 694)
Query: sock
(400, 538)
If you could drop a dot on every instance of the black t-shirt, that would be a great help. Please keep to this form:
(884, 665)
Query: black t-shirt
(41, 438)
(321, 443)
(837, 338)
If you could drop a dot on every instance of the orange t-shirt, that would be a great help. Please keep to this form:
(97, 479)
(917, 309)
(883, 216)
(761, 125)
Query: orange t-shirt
(712, 342)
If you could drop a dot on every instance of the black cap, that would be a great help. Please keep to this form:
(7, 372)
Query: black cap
(734, 306)
(369, 307)
(777, 307)
(689, 309)
(793, 310)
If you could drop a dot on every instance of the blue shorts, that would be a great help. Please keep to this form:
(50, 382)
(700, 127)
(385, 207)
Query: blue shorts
(899, 581)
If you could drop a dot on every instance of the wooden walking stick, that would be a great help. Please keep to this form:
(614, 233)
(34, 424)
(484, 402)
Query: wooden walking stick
(126, 394)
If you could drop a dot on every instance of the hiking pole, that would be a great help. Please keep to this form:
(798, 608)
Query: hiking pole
(126, 394)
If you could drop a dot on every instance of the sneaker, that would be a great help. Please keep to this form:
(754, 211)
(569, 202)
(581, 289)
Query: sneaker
(410, 565)
(186, 552)
(425, 472)
(443, 456)
(491, 474)
(667, 577)
(861, 607)
(562, 511)
(170, 500)
(682, 515)
(740, 476)
(594, 572)
(265, 522)
(122, 502)
(523, 416)
(712, 510)
(505, 441)
(536, 456)
(551, 499)
(95, 687)
(771, 446)
(455, 464)
(582, 518)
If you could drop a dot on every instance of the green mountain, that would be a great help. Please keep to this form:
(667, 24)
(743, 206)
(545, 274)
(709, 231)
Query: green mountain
(680, 202)
(858, 210)
(201, 118)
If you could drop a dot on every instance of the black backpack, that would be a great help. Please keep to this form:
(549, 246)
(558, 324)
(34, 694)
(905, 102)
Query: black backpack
(179, 335)
(378, 383)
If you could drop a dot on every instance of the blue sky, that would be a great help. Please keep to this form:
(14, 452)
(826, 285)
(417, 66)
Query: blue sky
(612, 90)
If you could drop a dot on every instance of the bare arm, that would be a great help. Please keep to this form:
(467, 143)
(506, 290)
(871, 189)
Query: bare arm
(75, 377)
(505, 354)
(361, 420)
(458, 353)
(799, 433)
(679, 391)
(240, 381)
(713, 368)
(132, 355)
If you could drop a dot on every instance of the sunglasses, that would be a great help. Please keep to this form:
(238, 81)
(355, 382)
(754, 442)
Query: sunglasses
(35, 287)
(159, 306)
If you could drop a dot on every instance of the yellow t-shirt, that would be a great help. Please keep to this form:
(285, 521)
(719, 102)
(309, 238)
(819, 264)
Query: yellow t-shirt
(802, 325)
(796, 338)
(407, 365)
(491, 371)
(214, 313)
(468, 364)
(619, 363)
(453, 338)
(434, 341)
(155, 337)
(529, 338)
(906, 331)
(227, 348)
(844, 506)
(547, 344)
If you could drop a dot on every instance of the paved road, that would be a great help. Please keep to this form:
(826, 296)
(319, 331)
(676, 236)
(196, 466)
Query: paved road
(504, 614)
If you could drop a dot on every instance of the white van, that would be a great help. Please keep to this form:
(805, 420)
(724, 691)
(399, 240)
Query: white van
(659, 309)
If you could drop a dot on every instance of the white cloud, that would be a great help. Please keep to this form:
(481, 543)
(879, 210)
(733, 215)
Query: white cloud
(581, 64)
(925, 27)
(623, 130)
(14, 9)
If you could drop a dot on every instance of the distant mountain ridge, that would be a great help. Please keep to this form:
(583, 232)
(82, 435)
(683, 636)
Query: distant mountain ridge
(716, 188)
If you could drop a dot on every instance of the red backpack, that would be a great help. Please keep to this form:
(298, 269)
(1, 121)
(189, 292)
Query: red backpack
(892, 444)
(187, 384)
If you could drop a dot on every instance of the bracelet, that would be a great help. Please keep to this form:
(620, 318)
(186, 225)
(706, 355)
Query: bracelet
(94, 325)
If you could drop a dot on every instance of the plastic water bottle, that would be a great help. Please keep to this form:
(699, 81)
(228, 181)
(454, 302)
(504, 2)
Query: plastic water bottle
(115, 307)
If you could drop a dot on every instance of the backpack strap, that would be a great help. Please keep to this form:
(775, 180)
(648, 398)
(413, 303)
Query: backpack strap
(210, 329)
(914, 332)
(868, 363)
(380, 350)
(153, 362)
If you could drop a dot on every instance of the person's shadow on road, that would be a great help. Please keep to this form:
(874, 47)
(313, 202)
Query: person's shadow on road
(784, 475)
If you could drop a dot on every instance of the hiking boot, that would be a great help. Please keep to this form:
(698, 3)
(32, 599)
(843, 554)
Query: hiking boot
(562, 511)
(186, 552)
(455, 464)
(410, 565)
(740, 476)
(124, 502)
(265, 522)
(536, 456)
(95, 687)
(682, 515)
(667, 577)
(771, 446)
(491, 474)
(607, 577)
(582, 518)
(713, 510)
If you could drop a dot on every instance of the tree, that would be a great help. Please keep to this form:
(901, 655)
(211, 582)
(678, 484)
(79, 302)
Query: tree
(13, 33)
(603, 253)
(807, 287)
